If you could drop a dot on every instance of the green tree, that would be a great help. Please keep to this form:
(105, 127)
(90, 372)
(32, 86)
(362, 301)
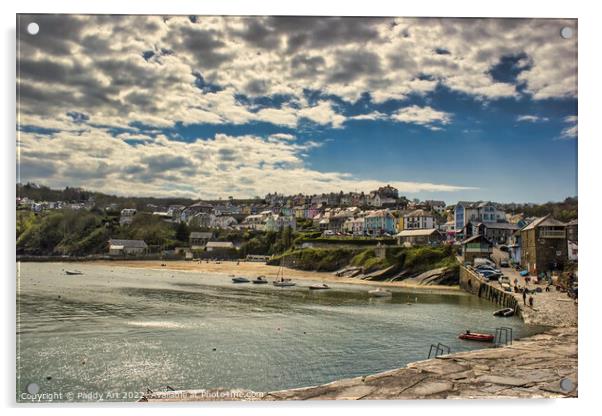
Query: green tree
(182, 232)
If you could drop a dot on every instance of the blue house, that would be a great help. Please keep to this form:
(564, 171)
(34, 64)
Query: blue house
(380, 222)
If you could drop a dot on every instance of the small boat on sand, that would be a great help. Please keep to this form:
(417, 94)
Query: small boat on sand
(319, 287)
(73, 273)
(240, 280)
(380, 293)
(506, 312)
(260, 280)
(475, 336)
(281, 281)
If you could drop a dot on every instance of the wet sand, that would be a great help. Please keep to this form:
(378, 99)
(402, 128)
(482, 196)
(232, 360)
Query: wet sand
(254, 269)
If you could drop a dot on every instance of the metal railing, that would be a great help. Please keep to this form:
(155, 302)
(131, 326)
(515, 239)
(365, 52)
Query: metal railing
(439, 349)
(503, 336)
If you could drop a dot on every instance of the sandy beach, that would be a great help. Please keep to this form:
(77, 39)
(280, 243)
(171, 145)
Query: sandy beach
(254, 269)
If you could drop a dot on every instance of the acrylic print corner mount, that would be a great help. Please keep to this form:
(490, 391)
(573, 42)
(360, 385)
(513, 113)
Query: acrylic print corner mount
(291, 208)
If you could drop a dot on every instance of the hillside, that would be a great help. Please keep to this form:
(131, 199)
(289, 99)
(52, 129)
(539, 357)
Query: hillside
(422, 265)
(43, 193)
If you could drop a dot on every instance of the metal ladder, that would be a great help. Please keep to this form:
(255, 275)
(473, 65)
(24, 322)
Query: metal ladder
(439, 349)
(503, 336)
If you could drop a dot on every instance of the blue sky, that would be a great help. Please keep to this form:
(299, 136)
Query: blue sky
(213, 107)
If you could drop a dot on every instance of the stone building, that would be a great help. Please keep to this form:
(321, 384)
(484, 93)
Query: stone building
(476, 247)
(127, 247)
(199, 240)
(544, 245)
(497, 232)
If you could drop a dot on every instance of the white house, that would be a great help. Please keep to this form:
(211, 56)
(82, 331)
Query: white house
(253, 222)
(418, 220)
(225, 221)
(127, 216)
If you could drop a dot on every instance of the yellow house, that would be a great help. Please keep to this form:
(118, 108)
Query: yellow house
(400, 223)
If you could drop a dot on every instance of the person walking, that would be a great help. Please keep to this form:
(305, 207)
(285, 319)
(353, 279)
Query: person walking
(531, 301)
(524, 296)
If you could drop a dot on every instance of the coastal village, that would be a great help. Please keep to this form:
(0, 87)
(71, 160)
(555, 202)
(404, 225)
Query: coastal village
(538, 256)
(382, 216)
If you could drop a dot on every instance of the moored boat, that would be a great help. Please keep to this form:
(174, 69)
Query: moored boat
(240, 280)
(260, 280)
(73, 273)
(319, 287)
(380, 293)
(283, 283)
(506, 312)
(476, 336)
(280, 280)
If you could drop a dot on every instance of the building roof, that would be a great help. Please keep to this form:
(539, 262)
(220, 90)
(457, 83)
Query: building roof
(201, 204)
(417, 233)
(501, 225)
(128, 243)
(572, 222)
(379, 213)
(474, 238)
(220, 244)
(546, 221)
(419, 213)
(200, 234)
(478, 204)
(467, 204)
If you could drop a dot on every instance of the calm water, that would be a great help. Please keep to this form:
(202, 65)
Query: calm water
(125, 330)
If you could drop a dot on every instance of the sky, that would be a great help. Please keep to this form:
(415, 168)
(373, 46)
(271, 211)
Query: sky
(207, 106)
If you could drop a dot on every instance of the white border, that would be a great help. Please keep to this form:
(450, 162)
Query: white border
(589, 189)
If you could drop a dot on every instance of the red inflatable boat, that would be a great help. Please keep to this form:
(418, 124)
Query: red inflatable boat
(475, 336)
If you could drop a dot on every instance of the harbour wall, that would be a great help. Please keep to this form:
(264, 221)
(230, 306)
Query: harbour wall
(471, 282)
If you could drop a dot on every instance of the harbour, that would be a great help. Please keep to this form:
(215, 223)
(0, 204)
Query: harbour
(138, 330)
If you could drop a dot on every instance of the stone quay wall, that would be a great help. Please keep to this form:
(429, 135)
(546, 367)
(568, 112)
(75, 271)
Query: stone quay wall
(472, 283)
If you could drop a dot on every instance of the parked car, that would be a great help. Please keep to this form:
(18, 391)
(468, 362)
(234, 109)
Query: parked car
(504, 263)
(480, 261)
(487, 268)
(490, 275)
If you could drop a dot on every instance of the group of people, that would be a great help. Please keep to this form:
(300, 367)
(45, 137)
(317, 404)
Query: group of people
(525, 298)
(525, 291)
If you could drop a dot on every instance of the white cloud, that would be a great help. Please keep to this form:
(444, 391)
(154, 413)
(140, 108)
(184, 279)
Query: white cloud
(283, 136)
(531, 118)
(569, 132)
(97, 67)
(375, 115)
(243, 166)
(424, 116)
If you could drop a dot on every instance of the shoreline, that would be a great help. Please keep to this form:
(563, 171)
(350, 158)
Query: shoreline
(255, 269)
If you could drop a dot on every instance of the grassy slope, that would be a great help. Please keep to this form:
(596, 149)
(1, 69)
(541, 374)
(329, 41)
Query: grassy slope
(412, 261)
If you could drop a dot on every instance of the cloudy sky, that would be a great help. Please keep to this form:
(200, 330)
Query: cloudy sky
(210, 107)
